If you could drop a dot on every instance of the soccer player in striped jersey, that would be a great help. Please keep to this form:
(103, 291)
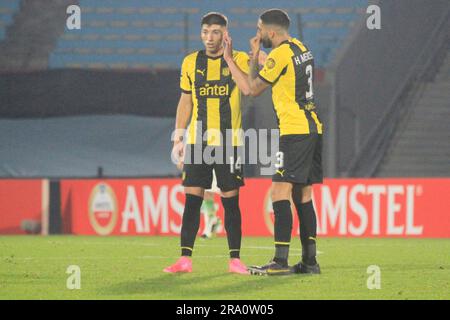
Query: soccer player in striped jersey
(211, 101)
(289, 70)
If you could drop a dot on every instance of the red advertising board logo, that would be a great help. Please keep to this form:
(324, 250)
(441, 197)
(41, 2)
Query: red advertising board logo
(383, 207)
(103, 209)
(344, 207)
(129, 207)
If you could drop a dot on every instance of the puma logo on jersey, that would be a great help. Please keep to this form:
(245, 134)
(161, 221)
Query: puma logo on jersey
(202, 72)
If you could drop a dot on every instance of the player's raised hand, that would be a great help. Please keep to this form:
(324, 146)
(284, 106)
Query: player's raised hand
(228, 46)
(255, 46)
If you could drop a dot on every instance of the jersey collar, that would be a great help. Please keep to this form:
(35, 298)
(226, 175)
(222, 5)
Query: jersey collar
(212, 58)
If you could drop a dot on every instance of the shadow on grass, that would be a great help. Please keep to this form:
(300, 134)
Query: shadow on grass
(190, 286)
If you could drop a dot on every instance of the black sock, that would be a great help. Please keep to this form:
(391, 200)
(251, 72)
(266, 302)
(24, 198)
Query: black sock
(233, 225)
(308, 231)
(281, 254)
(283, 230)
(190, 223)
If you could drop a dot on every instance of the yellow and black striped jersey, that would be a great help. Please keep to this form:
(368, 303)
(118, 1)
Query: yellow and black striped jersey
(289, 69)
(215, 96)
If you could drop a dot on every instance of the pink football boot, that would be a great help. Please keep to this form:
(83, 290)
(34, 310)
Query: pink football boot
(183, 264)
(236, 266)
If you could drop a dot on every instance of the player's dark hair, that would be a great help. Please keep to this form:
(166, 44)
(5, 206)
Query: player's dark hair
(276, 17)
(214, 18)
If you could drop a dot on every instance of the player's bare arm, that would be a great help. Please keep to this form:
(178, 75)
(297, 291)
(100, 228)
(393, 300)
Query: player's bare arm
(257, 86)
(184, 111)
(239, 76)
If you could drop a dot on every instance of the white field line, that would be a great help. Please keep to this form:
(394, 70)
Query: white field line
(153, 257)
(201, 244)
(139, 257)
(128, 257)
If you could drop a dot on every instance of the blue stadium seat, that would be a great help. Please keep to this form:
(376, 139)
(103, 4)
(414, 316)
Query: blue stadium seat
(151, 32)
(7, 11)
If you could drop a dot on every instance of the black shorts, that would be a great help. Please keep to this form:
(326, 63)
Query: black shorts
(229, 169)
(301, 156)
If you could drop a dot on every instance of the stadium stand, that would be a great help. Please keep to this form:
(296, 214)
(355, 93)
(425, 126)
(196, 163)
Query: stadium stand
(421, 145)
(375, 79)
(31, 34)
(156, 34)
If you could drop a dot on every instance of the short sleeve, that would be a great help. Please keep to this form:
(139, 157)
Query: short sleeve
(185, 81)
(242, 60)
(275, 63)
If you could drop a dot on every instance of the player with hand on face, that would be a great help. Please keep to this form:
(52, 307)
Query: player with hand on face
(211, 102)
(289, 70)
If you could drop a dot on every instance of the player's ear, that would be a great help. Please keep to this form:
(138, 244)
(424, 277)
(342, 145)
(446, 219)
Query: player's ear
(272, 33)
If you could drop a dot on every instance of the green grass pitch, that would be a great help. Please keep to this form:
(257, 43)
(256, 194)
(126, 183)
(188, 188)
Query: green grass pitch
(34, 267)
